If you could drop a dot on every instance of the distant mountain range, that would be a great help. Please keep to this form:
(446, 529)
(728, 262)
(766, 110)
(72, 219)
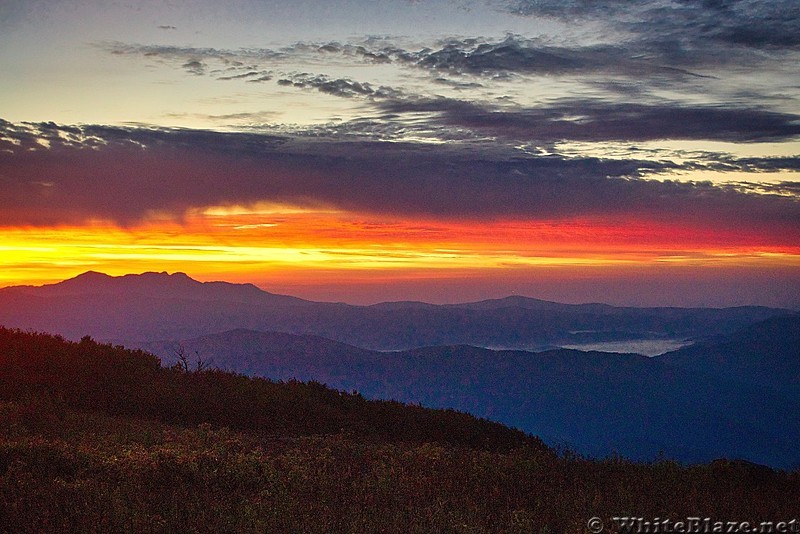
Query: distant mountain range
(159, 306)
(733, 393)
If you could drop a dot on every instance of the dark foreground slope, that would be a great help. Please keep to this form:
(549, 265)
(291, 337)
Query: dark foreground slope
(734, 397)
(96, 438)
(120, 382)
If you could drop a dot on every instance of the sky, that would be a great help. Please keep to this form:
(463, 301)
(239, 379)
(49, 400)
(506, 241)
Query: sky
(636, 153)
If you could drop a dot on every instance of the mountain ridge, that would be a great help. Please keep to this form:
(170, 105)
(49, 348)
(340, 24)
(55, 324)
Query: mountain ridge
(151, 283)
(765, 355)
(88, 282)
(599, 403)
(157, 306)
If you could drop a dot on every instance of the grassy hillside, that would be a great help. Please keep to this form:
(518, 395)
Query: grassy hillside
(119, 382)
(99, 438)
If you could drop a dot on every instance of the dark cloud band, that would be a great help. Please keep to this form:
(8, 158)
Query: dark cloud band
(749, 23)
(597, 120)
(52, 174)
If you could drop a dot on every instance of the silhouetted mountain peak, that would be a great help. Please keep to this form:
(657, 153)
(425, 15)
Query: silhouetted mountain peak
(89, 277)
(92, 282)
(529, 303)
(159, 285)
(163, 275)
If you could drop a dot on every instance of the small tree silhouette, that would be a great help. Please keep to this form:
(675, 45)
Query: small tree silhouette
(183, 361)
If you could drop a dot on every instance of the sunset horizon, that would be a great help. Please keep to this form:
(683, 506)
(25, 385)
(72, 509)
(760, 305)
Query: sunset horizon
(437, 151)
(455, 291)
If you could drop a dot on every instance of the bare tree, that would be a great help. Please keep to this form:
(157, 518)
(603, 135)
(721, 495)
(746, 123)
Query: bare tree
(183, 361)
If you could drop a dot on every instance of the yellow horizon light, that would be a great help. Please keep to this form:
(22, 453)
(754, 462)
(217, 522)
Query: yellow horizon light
(279, 240)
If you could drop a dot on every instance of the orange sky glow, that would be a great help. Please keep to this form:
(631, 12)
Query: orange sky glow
(299, 251)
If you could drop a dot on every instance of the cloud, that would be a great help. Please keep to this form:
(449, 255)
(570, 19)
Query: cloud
(458, 85)
(518, 55)
(765, 164)
(195, 67)
(343, 87)
(260, 79)
(645, 68)
(488, 155)
(746, 23)
(599, 120)
(460, 63)
(188, 53)
(513, 54)
(252, 117)
(370, 52)
(337, 87)
(125, 174)
(262, 76)
(484, 69)
(247, 64)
